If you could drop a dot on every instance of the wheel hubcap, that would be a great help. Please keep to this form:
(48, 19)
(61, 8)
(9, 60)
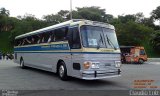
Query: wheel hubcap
(141, 61)
(61, 71)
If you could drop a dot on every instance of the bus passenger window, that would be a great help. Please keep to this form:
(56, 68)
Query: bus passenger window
(38, 39)
(49, 39)
(45, 37)
(35, 39)
(28, 40)
(142, 52)
(19, 43)
(52, 37)
(23, 42)
(60, 34)
(32, 40)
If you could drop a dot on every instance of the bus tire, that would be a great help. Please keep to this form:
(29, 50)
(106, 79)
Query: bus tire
(141, 61)
(22, 63)
(62, 71)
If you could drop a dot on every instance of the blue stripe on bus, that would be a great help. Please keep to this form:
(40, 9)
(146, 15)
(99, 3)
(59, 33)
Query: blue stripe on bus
(72, 52)
(44, 47)
(51, 48)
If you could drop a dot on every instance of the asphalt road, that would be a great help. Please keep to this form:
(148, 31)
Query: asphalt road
(12, 77)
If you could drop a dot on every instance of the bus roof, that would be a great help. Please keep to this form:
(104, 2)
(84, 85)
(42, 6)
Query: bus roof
(67, 23)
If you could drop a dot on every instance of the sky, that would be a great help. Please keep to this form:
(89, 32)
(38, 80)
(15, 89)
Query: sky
(46, 7)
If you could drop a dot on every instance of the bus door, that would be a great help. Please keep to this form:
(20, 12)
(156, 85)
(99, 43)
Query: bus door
(75, 47)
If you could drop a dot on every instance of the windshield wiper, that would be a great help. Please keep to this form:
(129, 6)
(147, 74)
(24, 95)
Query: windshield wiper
(110, 43)
(99, 41)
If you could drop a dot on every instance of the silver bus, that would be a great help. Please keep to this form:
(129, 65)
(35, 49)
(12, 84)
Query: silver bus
(78, 48)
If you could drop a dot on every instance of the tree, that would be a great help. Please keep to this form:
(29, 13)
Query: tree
(131, 32)
(155, 40)
(53, 19)
(92, 13)
(126, 18)
(6, 23)
(156, 13)
(64, 14)
(3, 11)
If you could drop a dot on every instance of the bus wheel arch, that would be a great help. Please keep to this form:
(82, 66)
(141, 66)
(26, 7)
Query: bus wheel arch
(62, 70)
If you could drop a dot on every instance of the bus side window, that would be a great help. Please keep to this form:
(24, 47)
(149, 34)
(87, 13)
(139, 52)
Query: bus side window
(52, 36)
(45, 37)
(23, 41)
(38, 39)
(142, 52)
(73, 38)
(17, 42)
(28, 40)
(60, 34)
(35, 39)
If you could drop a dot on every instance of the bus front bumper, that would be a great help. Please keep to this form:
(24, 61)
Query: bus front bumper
(92, 75)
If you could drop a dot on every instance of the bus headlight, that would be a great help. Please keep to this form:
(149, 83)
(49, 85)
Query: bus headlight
(95, 65)
(87, 64)
(118, 64)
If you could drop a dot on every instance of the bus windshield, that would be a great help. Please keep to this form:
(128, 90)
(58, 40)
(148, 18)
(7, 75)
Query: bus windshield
(98, 37)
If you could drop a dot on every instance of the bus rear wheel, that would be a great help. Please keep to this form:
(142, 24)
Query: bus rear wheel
(62, 71)
(141, 61)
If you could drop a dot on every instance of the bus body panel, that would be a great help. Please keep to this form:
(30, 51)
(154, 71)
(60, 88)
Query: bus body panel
(49, 63)
(107, 65)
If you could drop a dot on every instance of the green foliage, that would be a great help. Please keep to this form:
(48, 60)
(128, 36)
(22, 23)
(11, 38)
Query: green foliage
(151, 52)
(64, 14)
(126, 18)
(4, 12)
(92, 13)
(156, 13)
(130, 31)
(155, 41)
(53, 19)
(5, 44)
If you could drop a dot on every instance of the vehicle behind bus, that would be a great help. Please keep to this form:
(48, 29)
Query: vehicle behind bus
(133, 54)
(79, 48)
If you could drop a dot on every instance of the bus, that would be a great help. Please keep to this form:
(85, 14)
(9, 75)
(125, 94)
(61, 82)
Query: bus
(133, 54)
(76, 48)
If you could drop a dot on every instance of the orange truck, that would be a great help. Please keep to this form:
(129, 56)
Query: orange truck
(133, 54)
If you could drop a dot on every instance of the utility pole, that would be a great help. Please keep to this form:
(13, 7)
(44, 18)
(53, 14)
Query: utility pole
(71, 9)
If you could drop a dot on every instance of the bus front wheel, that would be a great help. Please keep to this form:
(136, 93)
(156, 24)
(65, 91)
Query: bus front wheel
(62, 71)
